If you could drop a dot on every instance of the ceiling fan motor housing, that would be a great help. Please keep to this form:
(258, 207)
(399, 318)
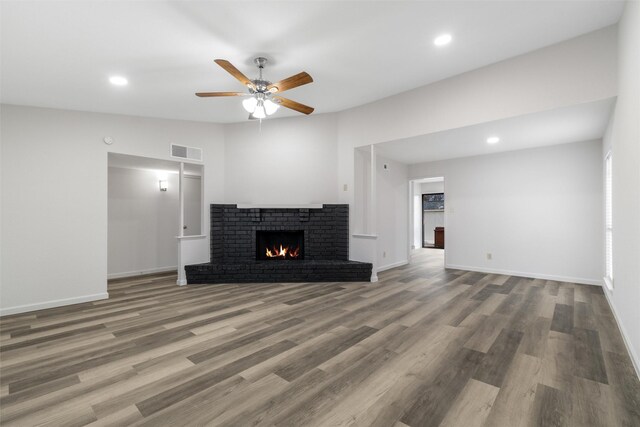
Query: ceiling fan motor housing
(260, 84)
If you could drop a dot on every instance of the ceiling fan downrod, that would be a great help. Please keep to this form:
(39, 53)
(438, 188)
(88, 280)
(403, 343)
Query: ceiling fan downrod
(260, 84)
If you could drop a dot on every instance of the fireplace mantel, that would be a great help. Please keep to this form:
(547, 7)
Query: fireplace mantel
(266, 206)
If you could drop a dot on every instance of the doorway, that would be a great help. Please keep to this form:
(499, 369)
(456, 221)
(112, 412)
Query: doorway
(148, 207)
(433, 218)
(427, 228)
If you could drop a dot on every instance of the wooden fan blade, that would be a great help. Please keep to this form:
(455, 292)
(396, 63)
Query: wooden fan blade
(229, 68)
(293, 105)
(289, 83)
(209, 94)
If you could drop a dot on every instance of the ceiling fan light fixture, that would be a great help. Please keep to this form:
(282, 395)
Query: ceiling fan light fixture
(249, 104)
(259, 112)
(270, 107)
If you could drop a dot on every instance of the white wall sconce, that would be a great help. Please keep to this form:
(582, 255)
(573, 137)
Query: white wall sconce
(163, 185)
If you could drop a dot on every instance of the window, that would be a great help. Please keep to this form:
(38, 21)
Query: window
(433, 202)
(608, 221)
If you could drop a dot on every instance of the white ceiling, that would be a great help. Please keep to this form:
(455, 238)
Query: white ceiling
(582, 122)
(60, 54)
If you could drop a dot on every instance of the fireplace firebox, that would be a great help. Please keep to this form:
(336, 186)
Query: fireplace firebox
(279, 245)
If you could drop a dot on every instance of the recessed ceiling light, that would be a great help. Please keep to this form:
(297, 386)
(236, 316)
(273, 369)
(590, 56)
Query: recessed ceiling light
(442, 40)
(493, 140)
(118, 81)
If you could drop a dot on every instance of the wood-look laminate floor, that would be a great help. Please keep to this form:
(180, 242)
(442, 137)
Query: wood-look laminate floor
(423, 347)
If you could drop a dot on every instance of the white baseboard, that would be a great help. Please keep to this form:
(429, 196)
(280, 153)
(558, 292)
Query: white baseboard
(51, 304)
(392, 265)
(583, 281)
(625, 337)
(141, 272)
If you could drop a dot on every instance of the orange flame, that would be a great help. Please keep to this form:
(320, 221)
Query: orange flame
(283, 252)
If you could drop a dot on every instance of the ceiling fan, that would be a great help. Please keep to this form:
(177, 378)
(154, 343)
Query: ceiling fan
(262, 100)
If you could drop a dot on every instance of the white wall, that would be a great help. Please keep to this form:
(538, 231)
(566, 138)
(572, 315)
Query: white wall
(431, 187)
(54, 196)
(623, 139)
(286, 161)
(362, 220)
(392, 215)
(142, 222)
(535, 211)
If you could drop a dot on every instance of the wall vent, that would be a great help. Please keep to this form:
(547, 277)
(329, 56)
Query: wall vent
(182, 152)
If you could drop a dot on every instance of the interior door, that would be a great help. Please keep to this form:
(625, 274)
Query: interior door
(192, 205)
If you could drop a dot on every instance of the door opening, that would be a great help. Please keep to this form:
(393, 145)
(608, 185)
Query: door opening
(433, 220)
(150, 202)
(427, 225)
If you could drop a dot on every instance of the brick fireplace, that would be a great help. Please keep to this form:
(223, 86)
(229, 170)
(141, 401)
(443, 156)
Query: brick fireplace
(279, 245)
